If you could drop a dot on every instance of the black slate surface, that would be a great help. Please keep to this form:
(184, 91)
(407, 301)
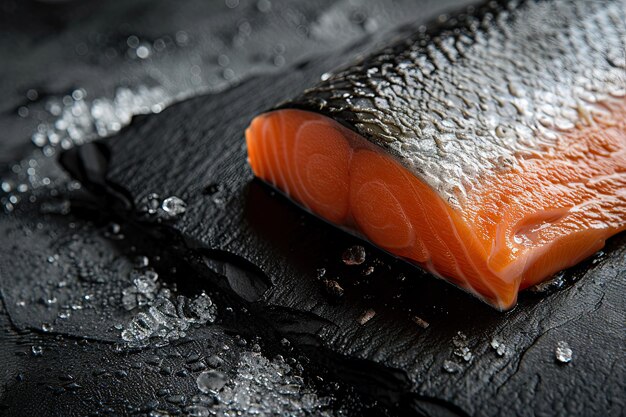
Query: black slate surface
(195, 150)
(237, 239)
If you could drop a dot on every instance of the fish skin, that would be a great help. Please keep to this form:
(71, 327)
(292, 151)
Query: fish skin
(490, 149)
(463, 99)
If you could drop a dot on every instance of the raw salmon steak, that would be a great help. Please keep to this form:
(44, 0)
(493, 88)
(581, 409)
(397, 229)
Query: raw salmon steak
(489, 149)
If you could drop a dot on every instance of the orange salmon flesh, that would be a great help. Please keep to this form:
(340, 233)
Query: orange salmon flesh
(517, 228)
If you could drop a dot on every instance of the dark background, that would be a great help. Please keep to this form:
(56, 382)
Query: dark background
(73, 72)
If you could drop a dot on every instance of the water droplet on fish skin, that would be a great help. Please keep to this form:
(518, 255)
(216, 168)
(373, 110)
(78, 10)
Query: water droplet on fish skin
(174, 206)
(176, 399)
(563, 353)
(211, 381)
(197, 411)
(143, 51)
(451, 367)
(47, 327)
(32, 94)
(36, 350)
(132, 41)
(264, 6)
(6, 186)
(354, 255)
(23, 111)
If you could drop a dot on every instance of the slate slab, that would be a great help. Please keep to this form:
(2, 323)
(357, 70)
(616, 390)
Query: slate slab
(195, 150)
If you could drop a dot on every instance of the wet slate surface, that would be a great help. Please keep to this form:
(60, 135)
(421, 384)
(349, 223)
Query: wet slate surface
(195, 150)
(249, 249)
(77, 364)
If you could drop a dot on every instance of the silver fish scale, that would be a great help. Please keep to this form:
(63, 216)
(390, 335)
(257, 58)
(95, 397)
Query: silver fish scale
(460, 101)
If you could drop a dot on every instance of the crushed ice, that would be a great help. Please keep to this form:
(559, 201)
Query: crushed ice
(173, 206)
(259, 387)
(498, 346)
(75, 120)
(563, 352)
(162, 315)
(354, 255)
(451, 367)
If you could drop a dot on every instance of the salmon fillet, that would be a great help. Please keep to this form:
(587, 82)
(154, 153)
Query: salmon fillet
(490, 150)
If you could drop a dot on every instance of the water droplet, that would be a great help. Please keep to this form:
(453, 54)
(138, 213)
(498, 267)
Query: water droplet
(32, 94)
(132, 41)
(197, 411)
(6, 186)
(143, 51)
(563, 352)
(174, 206)
(36, 350)
(354, 255)
(182, 38)
(211, 381)
(47, 327)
